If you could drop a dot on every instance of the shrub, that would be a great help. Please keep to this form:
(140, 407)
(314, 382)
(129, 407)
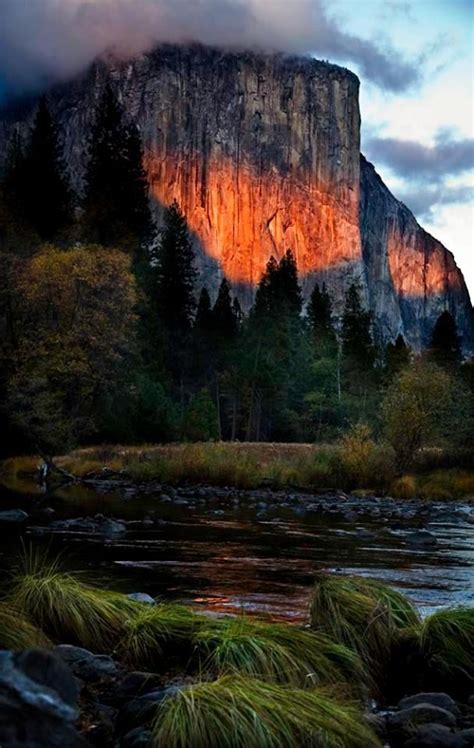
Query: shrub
(404, 487)
(237, 712)
(362, 462)
(446, 641)
(363, 614)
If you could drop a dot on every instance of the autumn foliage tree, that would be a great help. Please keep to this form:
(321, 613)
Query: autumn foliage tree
(76, 334)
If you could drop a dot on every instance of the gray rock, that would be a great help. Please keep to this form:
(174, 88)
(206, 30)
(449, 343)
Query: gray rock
(86, 665)
(421, 537)
(442, 700)
(142, 597)
(137, 738)
(433, 736)
(13, 517)
(136, 684)
(467, 737)
(33, 714)
(420, 714)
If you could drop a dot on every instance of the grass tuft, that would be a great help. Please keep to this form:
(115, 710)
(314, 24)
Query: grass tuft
(276, 652)
(446, 641)
(363, 614)
(16, 632)
(238, 712)
(155, 631)
(66, 606)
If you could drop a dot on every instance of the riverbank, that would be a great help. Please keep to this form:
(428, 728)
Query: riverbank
(351, 466)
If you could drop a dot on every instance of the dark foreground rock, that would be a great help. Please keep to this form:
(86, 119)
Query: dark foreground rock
(37, 702)
(86, 665)
(13, 517)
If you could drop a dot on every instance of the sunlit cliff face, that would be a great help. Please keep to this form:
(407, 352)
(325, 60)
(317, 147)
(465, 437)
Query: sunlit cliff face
(241, 217)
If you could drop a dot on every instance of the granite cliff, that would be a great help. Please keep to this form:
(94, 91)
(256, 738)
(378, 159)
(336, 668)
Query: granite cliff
(263, 154)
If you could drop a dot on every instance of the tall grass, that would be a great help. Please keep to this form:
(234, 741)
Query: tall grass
(276, 652)
(17, 632)
(153, 632)
(238, 712)
(66, 606)
(363, 614)
(446, 641)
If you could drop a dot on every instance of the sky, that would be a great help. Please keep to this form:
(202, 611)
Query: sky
(415, 60)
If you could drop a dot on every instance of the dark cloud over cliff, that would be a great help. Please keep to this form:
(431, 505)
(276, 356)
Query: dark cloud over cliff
(409, 158)
(49, 40)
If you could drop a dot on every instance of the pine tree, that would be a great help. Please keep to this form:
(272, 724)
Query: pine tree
(36, 186)
(397, 357)
(204, 322)
(356, 334)
(175, 273)
(319, 316)
(116, 208)
(445, 346)
(225, 322)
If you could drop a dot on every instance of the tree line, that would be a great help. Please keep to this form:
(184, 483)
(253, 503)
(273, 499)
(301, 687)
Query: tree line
(107, 334)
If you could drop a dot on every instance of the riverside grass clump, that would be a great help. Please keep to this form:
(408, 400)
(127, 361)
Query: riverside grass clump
(278, 653)
(243, 712)
(17, 632)
(65, 606)
(154, 631)
(363, 614)
(446, 645)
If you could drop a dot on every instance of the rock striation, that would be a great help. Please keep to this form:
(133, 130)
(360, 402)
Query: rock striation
(263, 154)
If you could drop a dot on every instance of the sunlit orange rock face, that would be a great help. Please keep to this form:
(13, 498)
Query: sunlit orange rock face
(263, 155)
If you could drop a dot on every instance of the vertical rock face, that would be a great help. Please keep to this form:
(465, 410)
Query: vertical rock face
(412, 278)
(263, 155)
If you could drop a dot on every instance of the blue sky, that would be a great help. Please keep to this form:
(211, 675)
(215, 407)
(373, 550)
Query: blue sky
(414, 59)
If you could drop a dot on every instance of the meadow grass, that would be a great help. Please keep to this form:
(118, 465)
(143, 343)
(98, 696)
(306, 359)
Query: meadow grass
(242, 712)
(363, 614)
(276, 652)
(17, 632)
(66, 606)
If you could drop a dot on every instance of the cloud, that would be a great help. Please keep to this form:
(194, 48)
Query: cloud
(42, 41)
(411, 159)
(425, 202)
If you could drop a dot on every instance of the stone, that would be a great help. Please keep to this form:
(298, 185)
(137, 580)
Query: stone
(141, 711)
(137, 683)
(419, 714)
(435, 698)
(13, 517)
(433, 736)
(421, 537)
(142, 597)
(136, 738)
(467, 737)
(86, 665)
(33, 714)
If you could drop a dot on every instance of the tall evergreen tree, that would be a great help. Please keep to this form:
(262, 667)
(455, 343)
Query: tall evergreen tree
(397, 357)
(319, 315)
(356, 334)
(225, 322)
(36, 185)
(445, 346)
(176, 274)
(204, 317)
(116, 208)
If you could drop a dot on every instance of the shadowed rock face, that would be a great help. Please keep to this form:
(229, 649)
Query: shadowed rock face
(263, 155)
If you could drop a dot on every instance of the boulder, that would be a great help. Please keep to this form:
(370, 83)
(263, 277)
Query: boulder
(137, 738)
(433, 736)
(85, 665)
(33, 713)
(420, 714)
(421, 537)
(467, 737)
(442, 700)
(142, 710)
(136, 684)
